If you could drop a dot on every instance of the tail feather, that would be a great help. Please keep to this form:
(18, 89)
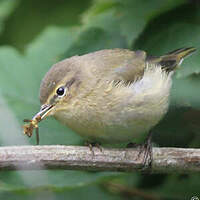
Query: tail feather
(182, 52)
(170, 61)
(173, 59)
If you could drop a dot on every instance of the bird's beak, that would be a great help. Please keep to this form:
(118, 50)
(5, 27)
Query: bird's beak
(44, 112)
(33, 124)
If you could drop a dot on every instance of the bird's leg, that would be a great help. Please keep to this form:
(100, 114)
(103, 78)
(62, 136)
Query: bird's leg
(147, 149)
(93, 144)
(98, 145)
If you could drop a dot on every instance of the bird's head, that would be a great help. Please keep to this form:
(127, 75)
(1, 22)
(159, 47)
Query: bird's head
(57, 90)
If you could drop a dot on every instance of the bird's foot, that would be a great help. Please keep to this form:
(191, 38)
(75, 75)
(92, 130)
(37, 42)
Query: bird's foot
(145, 149)
(93, 144)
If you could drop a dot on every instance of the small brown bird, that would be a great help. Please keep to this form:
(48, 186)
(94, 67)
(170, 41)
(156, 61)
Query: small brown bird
(109, 96)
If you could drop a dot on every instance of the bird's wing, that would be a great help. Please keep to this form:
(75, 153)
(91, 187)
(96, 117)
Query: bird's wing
(126, 65)
(117, 64)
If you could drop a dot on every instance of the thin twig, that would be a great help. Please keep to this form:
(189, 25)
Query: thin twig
(109, 159)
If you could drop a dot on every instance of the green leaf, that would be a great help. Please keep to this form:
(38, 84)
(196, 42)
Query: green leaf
(175, 187)
(185, 91)
(32, 17)
(115, 24)
(94, 39)
(135, 14)
(10, 129)
(57, 179)
(172, 31)
(178, 128)
(87, 192)
(6, 8)
(127, 18)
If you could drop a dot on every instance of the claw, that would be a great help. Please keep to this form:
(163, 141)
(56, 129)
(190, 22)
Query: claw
(94, 144)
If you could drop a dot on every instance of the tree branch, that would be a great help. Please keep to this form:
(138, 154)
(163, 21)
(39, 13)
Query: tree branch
(109, 159)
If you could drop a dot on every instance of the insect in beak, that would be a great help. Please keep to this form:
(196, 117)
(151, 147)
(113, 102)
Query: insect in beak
(33, 123)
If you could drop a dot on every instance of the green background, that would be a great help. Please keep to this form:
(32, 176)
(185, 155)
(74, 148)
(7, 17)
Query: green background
(36, 34)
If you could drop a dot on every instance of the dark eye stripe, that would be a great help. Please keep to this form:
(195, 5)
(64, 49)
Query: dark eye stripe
(69, 83)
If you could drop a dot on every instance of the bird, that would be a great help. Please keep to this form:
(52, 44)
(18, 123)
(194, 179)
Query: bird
(108, 96)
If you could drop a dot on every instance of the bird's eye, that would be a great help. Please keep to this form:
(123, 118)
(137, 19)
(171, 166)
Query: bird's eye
(60, 91)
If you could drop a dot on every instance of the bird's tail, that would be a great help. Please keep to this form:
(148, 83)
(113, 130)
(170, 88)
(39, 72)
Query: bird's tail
(173, 59)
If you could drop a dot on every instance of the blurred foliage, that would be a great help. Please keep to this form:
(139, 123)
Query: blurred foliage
(35, 34)
(31, 17)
